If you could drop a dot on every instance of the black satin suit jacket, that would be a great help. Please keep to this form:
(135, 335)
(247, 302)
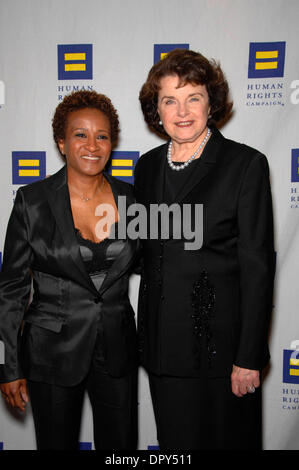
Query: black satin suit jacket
(60, 325)
(207, 309)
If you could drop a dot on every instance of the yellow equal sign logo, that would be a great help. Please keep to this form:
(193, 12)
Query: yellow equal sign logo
(123, 164)
(260, 55)
(163, 55)
(294, 362)
(28, 167)
(71, 67)
(28, 163)
(119, 162)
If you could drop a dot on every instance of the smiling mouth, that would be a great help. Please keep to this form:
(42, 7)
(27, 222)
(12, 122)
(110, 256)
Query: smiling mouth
(184, 123)
(90, 158)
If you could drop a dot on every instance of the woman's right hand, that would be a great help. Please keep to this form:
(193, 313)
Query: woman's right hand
(15, 393)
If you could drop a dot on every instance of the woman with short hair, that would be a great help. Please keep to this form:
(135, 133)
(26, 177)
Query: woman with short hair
(79, 331)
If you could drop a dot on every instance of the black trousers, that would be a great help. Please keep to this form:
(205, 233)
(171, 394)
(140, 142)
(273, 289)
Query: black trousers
(204, 414)
(57, 412)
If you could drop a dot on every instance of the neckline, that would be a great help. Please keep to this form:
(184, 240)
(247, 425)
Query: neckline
(78, 232)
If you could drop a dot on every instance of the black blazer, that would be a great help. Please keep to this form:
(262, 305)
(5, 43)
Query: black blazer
(60, 325)
(209, 308)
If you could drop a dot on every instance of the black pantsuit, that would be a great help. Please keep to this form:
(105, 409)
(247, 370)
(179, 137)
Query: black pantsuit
(203, 310)
(56, 349)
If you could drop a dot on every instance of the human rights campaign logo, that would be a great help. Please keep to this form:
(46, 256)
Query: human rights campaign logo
(291, 364)
(74, 61)
(123, 164)
(266, 59)
(295, 166)
(28, 167)
(161, 50)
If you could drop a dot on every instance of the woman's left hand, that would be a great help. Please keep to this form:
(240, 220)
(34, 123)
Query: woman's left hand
(244, 381)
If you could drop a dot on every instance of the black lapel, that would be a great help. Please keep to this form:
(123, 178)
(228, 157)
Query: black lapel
(59, 200)
(160, 174)
(129, 250)
(155, 170)
(207, 162)
(120, 265)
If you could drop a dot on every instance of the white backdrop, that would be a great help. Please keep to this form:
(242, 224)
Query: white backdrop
(245, 36)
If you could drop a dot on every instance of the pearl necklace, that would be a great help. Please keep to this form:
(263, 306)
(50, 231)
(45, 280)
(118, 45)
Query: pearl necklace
(185, 164)
(86, 199)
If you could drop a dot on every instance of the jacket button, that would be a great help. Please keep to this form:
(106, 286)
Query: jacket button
(97, 300)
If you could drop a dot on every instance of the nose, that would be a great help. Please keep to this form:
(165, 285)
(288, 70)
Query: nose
(182, 109)
(92, 143)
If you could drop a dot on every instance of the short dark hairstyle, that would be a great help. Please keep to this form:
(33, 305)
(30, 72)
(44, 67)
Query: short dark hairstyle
(191, 67)
(80, 100)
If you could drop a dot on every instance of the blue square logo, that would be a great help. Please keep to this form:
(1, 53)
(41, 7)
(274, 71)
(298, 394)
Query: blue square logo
(122, 165)
(161, 50)
(295, 166)
(74, 61)
(28, 167)
(266, 59)
(153, 448)
(291, 366)
(1, 445)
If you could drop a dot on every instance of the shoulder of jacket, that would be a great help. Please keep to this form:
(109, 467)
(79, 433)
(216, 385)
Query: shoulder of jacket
(32, 188)
(36, 188)
(242, 152)
(155, 152)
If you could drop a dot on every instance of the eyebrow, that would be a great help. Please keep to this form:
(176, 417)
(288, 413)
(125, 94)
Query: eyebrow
(173, 97)
(84, 129)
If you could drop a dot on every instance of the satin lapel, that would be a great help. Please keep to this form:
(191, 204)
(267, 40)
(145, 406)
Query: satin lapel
(126, 256)
(120, 265)
(59, 201)
(207, 163)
